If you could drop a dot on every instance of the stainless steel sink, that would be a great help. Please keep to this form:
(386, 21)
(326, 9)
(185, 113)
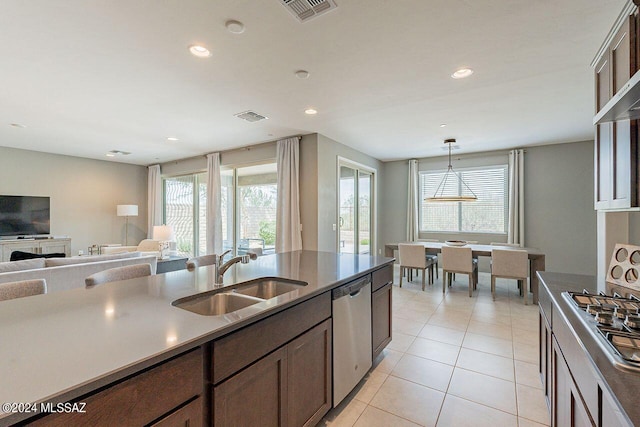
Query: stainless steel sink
(268, 288)
(215, 304)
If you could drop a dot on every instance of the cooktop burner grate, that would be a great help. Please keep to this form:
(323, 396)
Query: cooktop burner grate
(617, 319)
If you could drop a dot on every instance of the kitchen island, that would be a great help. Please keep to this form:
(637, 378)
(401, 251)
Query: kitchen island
(582, 383)
(124, 342)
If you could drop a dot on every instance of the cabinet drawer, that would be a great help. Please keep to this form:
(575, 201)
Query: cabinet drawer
(190, 415)
(382, 277)
(140, 399)
(239, 349)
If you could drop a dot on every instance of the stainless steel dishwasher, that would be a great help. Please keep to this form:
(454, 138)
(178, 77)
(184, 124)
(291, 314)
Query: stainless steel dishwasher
(351, 336)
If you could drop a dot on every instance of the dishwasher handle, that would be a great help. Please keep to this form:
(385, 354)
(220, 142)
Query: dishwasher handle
(352, 288)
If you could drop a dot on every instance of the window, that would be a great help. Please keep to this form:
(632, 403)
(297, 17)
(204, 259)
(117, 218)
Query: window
(185, 205)
(248, 197)
(486, 215)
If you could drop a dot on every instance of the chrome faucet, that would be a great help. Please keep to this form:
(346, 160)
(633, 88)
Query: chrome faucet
(222, 267)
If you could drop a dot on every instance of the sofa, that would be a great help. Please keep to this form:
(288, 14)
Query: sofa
(146, 247)
(69, 273)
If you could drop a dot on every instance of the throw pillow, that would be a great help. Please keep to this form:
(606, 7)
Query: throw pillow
(19, 255)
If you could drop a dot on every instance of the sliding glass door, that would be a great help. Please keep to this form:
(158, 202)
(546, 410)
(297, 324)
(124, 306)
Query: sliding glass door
(185, 204)
(249, 196)
(355, 218)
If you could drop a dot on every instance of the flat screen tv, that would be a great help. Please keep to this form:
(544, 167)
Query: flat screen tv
(24, 215)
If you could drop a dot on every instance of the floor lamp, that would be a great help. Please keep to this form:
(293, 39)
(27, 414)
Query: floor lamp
(127, 211)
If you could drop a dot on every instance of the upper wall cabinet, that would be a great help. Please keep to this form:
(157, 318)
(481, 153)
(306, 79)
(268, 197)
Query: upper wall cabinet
(616, 143)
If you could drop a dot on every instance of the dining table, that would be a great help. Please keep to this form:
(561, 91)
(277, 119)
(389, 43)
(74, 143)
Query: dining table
(536, 257)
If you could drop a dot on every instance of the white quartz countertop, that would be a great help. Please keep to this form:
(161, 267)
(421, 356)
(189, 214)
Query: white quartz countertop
(62, 345)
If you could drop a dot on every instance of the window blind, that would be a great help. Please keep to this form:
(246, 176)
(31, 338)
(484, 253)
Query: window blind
(486, 215)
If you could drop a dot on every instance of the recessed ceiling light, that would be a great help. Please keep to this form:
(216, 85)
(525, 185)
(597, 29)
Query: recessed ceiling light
(172, 138)
(310, 111)
(235, 27)
(17, 125)
(199, 51)
(302, 74)
(444, 125)
(110, 155)
(462, 73)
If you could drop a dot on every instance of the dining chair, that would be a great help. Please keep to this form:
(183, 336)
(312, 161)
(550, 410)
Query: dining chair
(433, 257)
(412, 257)
(510, 264)
(201, 260)
(22, 288)
(118, 273)
(459, 260)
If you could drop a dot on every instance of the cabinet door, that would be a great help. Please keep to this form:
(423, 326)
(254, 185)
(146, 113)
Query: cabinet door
(620, 57)
(256, 396)
(544, 366)
(568, 409)
(603, 81)
(27, 246)
(309, 376)
(380, 319)
(55, 246)
(602, 159)
(621, 141)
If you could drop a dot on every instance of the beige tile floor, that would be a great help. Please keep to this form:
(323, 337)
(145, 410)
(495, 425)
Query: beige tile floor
(453, 361)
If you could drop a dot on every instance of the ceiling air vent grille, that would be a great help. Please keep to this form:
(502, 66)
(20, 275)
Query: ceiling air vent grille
(305, 10)
(251, 116)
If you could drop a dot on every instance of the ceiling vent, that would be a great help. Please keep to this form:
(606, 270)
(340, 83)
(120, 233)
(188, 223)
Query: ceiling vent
(251, 116)
(305, 10)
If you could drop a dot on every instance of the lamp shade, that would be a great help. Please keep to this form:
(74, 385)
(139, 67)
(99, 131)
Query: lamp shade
(127, 210)
(163, 233)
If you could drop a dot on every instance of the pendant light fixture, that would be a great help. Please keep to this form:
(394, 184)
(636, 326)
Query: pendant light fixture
(450, 174)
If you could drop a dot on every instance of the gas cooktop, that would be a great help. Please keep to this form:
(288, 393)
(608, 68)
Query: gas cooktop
(616, 319)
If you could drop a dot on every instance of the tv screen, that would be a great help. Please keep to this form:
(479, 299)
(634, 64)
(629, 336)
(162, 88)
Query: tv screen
(24, 215)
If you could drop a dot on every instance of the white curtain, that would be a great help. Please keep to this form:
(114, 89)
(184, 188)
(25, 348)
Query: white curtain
(214, 215)
(516, 197)
(412, 202)
(288, 227)
(154, 199)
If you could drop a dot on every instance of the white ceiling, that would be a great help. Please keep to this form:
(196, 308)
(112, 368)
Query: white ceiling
(87, 77)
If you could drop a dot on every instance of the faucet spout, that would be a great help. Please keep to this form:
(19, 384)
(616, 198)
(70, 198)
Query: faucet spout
(221, 267)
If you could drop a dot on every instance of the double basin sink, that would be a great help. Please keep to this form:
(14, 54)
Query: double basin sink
(236, 297)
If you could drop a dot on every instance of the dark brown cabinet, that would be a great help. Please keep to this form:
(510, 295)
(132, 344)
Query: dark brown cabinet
(257, 396)
(544, 362)
(289, 387)
(309, 376)
(615, 157)
(145, 397)
(381, 319)
(569, 409)
(382, 281)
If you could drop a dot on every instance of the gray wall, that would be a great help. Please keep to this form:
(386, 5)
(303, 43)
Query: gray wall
(84, 194)
(319, 190)
(559, 215)
(560, 218)
(309, 191)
